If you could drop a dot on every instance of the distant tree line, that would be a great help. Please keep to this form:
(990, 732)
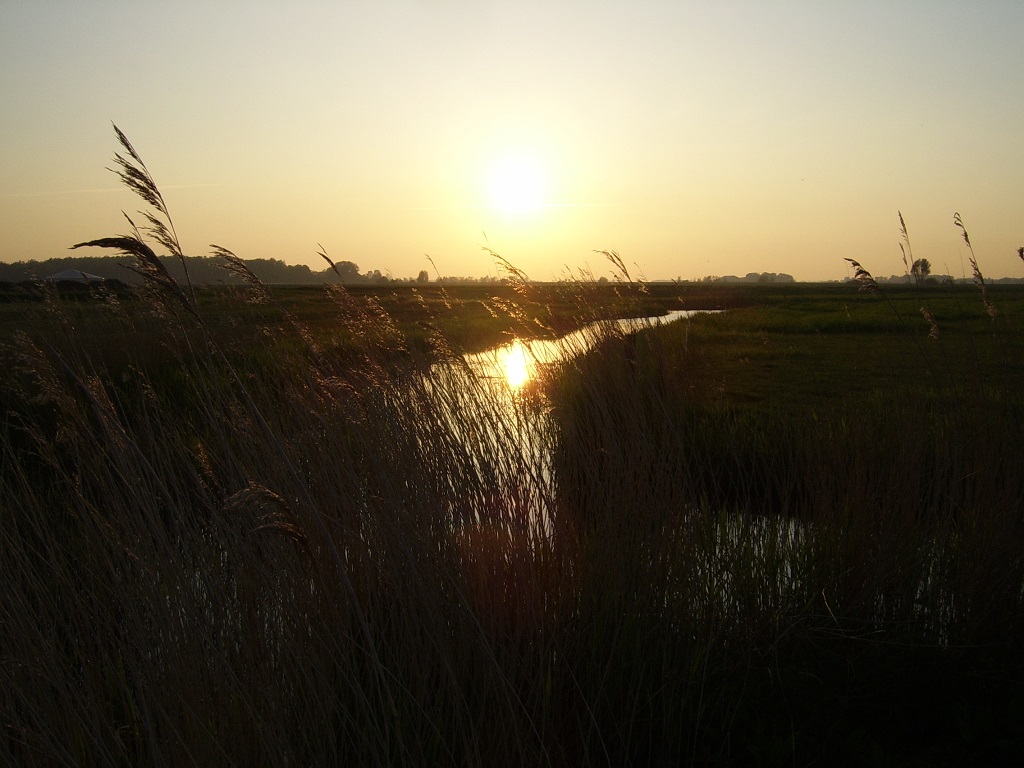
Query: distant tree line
(750, 277)
(210, 270)
(206, 270)
(202, 270)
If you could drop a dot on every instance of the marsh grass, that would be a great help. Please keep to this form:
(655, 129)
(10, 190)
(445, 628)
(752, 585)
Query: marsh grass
(311, 537)
(876, 531)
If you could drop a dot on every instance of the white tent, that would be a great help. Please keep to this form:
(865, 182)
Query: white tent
(72, 275)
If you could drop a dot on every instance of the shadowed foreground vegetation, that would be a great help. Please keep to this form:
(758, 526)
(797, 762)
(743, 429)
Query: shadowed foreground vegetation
(299, 532)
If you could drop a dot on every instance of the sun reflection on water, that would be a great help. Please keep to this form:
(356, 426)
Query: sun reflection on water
(516, 364)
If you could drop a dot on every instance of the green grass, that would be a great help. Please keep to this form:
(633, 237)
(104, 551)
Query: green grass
(895, 460)
(260, 552)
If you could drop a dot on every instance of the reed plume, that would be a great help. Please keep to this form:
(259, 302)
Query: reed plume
(236, 266)
(979, 279)
(933, 326)
(134, 174)
(862, 276)
(908, 254)
(147, 264)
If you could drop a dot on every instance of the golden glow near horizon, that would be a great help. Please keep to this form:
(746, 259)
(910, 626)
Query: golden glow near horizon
(695, 139)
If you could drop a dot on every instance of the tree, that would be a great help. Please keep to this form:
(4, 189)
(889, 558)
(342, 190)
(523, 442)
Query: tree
(423, 276)
(348, 271)
(920, 269)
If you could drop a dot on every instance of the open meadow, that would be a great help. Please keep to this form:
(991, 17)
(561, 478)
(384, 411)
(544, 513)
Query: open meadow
(284, 526)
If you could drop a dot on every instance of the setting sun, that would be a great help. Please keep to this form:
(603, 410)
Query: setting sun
(517, 184)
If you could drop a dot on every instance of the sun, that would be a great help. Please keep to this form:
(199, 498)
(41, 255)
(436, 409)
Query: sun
(517, 184)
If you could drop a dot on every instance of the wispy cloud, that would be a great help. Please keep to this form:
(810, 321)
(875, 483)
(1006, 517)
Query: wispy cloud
(491, 207)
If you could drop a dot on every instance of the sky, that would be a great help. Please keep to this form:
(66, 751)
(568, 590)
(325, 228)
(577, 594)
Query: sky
(694, 138)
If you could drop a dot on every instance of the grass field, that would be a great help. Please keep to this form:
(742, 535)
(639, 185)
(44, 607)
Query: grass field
(790, 532)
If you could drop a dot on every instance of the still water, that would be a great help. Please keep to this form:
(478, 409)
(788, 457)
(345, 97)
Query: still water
(500, 422)
(518, 363)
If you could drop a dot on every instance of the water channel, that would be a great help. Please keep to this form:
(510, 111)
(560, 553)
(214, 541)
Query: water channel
(500, 418)
(517, 363)
(495, 406)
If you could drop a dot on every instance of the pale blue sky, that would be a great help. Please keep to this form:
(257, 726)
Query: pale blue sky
(695, 138)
